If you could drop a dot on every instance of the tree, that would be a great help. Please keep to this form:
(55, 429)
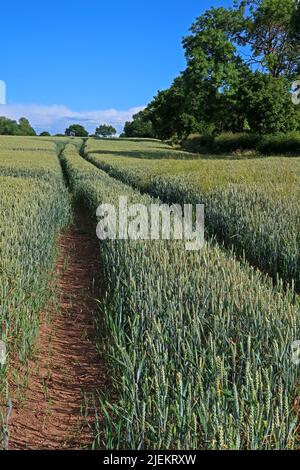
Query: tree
(241, 62)
(214, 68)
(272, 30)
(76, 130)
(8, 126)
(266, 103)
(45, 134)
(140, 126)
(25, 128)
(170, 111)
(105, 130)
(11, 127)
(268, 29)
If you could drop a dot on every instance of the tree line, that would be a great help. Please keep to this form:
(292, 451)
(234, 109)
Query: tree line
(240, 65)
(24, 128)
(11, 127)
(104, 130)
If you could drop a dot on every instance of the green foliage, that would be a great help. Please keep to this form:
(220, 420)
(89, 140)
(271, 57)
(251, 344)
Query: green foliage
(240, 65)
(11, 127)
(266, 103)
(105, 131)
(228, 142)
(8, 126)
(76, 130)
(281, 143)
(167, 111)
(198, 143)
(25, 127)
(271, 28)
(45, 134)
(140, 126)
(196, 363)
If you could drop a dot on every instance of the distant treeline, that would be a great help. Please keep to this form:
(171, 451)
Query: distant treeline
(23, 127)
(241, 63)
(11, 127)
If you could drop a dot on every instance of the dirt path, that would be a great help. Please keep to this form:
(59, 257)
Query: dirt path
(66, 367)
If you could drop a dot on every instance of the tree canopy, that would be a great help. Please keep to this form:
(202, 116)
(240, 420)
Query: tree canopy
(76, 130)
(241, 62)
(45, 134)
(12, 127)
(139, 127)
(105, 130)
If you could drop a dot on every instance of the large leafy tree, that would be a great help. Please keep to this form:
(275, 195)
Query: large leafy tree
(45, 134)
(105, 131)
(265, 102)
(171, 111)
(76, 130)
(12, 127)
(165, 110)
(197, 99)
(240, 65)
(140, 126)
(25, 128)
(8, 126)
(271, 29)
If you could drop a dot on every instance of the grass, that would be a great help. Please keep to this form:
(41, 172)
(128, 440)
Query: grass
(196, 363)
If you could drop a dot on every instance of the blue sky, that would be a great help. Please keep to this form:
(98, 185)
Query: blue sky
(88, 60)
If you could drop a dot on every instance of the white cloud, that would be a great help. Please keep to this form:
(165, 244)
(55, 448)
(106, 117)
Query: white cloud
(56, 118)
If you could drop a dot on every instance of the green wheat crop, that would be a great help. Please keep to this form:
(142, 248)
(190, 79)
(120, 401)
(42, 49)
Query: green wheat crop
(252, 205)
(199, 343)
(34, 206)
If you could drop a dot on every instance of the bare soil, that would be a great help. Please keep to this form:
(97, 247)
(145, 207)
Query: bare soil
(57, 411)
